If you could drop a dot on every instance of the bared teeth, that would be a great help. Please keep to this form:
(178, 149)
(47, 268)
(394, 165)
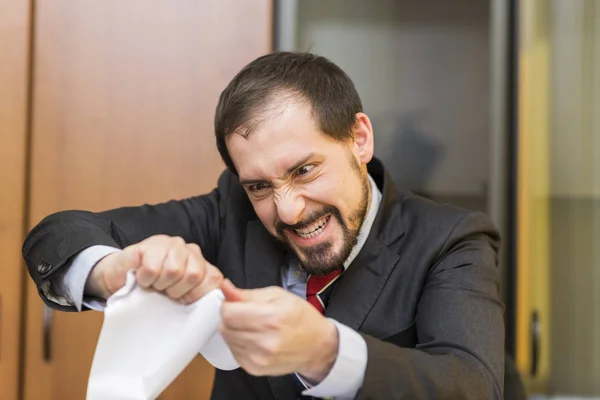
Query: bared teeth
(313, 229)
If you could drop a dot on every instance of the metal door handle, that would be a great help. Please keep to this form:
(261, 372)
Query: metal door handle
(0, 328)
(535, 342)
(47, 334)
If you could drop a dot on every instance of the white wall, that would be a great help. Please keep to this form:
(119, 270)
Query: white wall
(422, 70)
(575, 99)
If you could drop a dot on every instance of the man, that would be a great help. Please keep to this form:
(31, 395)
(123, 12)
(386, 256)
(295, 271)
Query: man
(403, 296)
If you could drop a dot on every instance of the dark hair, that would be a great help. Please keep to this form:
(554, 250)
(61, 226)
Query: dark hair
(301, 76)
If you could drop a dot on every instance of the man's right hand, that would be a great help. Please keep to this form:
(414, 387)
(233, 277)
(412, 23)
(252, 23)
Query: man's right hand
(162, 263)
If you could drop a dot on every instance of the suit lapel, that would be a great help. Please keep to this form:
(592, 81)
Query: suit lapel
(263, 261)
(360, 285)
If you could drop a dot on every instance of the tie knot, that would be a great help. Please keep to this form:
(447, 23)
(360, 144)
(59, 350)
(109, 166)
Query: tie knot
(317, 288)
(318, 283)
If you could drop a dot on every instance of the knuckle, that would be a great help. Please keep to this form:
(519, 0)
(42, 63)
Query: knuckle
(177, 241)
(188, 298)
(274, 320)
(271, 348)
(172, 272)
(193, 277)
(161, 238)
(175, 292)
(146, 275)
(214, 276)
(149, 271)
(194, 248)
(214, 271)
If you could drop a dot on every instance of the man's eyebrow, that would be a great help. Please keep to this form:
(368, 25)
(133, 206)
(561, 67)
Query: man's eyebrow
(298, 164)
(252, 181)
(287, 174)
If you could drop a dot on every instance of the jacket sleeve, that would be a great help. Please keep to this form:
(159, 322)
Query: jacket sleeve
(459, 323)
(52, 244)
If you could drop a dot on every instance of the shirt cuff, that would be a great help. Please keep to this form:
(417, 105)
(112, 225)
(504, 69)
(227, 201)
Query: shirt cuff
(348, 372)
(75, 278)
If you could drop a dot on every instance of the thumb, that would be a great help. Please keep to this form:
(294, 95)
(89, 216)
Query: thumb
(130, 258)
(263, 295)
(232, 293)
(110, 273)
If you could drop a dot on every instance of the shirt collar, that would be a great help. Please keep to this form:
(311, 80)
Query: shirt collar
(365, 229)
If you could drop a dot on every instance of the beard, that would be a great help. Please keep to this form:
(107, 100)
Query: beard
(322, 258)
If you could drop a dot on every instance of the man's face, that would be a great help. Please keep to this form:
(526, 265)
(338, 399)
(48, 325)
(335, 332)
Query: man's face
(310, 191)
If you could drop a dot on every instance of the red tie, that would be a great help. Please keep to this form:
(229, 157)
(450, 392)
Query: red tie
(316, 288)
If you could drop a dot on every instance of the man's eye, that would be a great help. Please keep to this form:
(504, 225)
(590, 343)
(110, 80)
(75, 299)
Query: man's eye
(257, 187)
(305, 169)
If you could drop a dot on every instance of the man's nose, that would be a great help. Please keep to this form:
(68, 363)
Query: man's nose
(290, 208)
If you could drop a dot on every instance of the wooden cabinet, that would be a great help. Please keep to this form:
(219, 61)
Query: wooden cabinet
(14, 42)
(121, 113)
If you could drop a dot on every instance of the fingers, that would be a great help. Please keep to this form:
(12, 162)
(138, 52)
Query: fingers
(212, 280)
(248, 316)
(154, 253)
(168, 265)
(264, 295)
(162, 263)
(199, 278)
(252, 310)
(231, 292)
(174, 266)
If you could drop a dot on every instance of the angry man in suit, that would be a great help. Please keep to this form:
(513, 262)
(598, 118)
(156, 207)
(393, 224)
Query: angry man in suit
(403, 294)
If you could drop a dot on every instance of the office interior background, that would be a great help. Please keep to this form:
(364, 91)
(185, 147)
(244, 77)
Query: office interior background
(491, 105)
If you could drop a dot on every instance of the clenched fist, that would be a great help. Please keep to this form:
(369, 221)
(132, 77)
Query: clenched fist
(274, 332)
(162, 263)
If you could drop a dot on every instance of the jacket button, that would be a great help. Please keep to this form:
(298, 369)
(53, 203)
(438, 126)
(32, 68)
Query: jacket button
(44, 267)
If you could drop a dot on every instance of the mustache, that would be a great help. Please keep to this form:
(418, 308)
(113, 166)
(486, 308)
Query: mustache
(280, 226)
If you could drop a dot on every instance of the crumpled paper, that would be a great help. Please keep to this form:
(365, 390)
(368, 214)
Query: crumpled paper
(147, 340)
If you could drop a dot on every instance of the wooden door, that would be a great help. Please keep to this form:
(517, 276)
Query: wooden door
(123, 104)
(14, 52)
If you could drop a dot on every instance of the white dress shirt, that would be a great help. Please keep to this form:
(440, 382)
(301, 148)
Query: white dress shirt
(347, 374)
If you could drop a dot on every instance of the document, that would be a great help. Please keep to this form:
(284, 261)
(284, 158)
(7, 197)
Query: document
(147, 340)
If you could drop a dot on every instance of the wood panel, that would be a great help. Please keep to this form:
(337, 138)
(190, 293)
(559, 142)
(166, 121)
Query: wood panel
(14, 50)
(124, 100)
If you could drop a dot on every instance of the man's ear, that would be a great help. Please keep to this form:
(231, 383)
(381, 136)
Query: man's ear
(363, 138)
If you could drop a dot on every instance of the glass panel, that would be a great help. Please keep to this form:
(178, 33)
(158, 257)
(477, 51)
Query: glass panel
(559, 204)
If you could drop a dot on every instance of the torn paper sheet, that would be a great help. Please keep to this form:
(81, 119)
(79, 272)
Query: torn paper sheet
(148, 339)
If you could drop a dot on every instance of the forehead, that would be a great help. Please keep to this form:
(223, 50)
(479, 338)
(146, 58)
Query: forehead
(286, 134)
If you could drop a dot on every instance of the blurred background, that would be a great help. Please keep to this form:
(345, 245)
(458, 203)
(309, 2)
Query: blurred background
(491, 105)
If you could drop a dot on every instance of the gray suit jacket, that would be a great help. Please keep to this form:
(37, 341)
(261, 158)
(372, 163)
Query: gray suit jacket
(423, 291)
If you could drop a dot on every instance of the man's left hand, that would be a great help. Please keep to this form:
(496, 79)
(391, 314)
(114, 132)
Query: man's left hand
(273, 332)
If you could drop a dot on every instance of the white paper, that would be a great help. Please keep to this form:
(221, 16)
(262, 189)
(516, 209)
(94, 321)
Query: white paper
(147, 340)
